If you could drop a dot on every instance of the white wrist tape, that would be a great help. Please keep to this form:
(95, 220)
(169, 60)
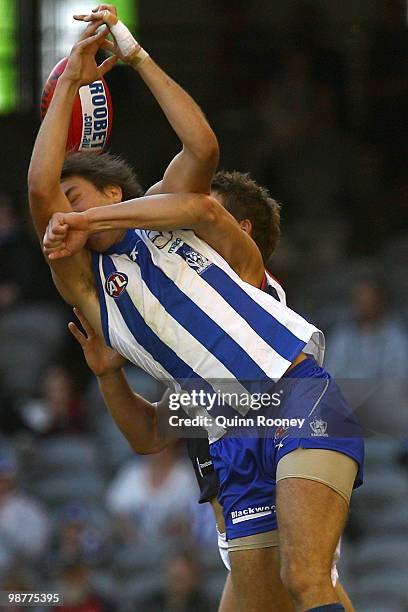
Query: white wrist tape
(127, 44)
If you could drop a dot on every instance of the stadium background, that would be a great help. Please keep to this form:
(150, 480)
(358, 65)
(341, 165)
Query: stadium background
(311, 98)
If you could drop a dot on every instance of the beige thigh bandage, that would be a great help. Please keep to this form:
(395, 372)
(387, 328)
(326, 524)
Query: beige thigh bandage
(252, 542)
(263, 540)
(334, 469)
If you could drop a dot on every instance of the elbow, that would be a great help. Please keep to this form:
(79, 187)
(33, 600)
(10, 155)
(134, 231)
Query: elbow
(39, 186)
(36, 194)
(207, 210)
(209, 151)
(38, 190)
(213, 150)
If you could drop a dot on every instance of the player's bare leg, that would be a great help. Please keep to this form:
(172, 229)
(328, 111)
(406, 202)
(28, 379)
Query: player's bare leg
(281, 599)
(251, 593)
(228, 601)
(256, 580)
(242, 593)
(311, 518)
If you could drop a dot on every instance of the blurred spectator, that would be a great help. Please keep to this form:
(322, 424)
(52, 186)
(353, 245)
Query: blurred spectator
(58, 410)
(74, 584)
(374, 343)
(77, 536)
(201, 526)
(9, 239)
(150, 496)
(24, 525)
(182, 591)
(23, 275)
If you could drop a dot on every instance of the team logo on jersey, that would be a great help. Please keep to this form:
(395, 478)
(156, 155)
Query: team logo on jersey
(280, 436)
(198, 262)
(279, 433)
(319, 427)
(116, 284)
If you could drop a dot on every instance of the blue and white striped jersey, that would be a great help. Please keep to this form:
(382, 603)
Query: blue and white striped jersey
(171, 305)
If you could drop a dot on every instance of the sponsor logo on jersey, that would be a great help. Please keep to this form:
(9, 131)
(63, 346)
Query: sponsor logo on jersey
(174, 246)
(116, 284)
(196, 261)
(319, 427)
(134, 253)
(239, 516)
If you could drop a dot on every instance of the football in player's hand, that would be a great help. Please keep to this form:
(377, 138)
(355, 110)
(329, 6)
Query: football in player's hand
(92, 114)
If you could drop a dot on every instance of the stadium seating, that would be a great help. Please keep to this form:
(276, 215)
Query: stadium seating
(29, 338)
(61, 488)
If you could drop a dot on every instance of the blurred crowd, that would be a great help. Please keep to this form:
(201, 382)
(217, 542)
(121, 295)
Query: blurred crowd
(318, 110)
(321, 121)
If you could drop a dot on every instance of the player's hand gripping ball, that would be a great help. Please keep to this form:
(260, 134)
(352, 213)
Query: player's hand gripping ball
(92, 114)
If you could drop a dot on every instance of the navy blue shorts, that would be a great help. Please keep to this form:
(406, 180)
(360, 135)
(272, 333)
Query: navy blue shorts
(246, 465)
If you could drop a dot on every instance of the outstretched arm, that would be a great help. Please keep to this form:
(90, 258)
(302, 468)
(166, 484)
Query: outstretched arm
(72, 277)
(193, 168)
(135, 416)
(66, 233)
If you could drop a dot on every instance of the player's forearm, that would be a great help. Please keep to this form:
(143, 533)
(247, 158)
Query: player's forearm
(49, 150)
(182, 112)
(159, 212)
(135, 416)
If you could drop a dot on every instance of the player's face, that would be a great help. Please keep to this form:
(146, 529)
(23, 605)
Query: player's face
(82, 195)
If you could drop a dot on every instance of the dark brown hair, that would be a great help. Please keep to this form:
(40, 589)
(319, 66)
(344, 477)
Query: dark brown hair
(102, 170)
(245, 199)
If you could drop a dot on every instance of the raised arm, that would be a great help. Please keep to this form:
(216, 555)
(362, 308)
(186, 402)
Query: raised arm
(193, 168)
(72, 276)
(135, 416)
(44, 174)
